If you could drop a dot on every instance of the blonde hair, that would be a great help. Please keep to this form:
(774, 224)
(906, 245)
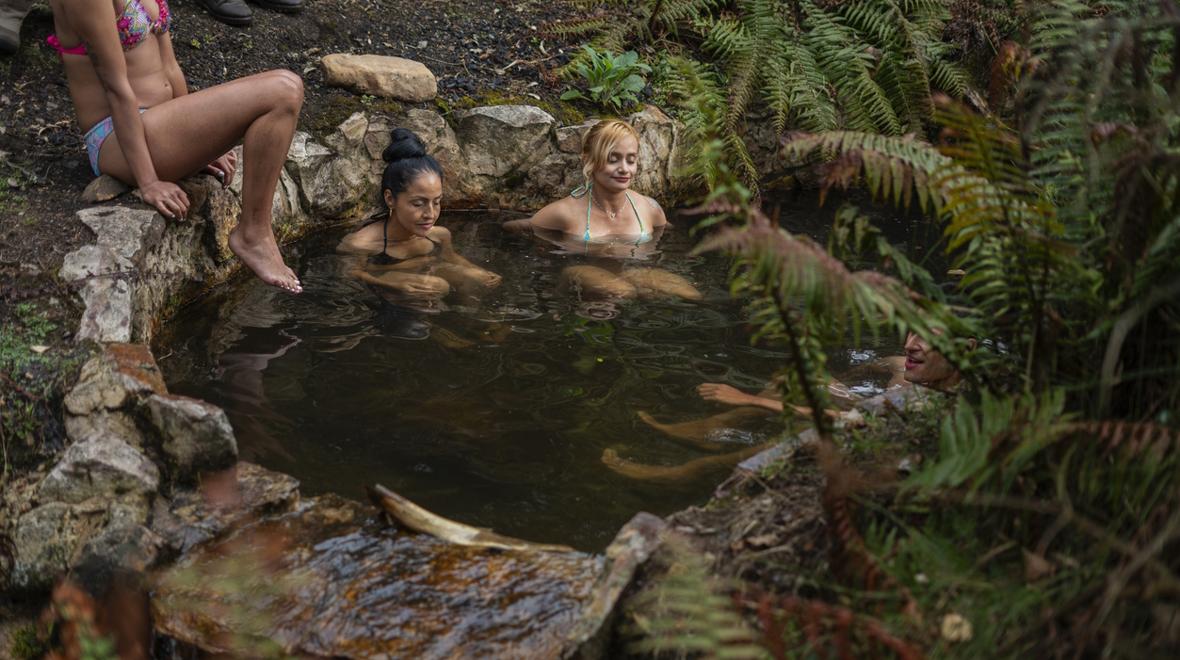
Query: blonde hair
(600, 139)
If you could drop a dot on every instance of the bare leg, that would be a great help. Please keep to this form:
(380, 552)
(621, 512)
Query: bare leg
(467, 281)
(674, 473)
(187, 133)
(651, 282)
(695, 432)
(593, 282)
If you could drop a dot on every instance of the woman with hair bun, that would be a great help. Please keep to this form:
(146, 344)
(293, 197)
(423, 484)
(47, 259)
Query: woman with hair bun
(605, 218)
(408, 259)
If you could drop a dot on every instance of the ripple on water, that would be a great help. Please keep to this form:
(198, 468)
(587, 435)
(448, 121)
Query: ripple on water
(510, 403)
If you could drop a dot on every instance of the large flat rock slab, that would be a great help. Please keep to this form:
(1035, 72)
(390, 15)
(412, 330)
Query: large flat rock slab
(341, 582)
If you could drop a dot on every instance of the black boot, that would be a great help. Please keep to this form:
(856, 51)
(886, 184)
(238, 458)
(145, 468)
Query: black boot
(230, 12)
(12, 13)
(283, 6)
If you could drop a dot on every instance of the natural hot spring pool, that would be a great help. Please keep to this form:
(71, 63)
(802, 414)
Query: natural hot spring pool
(501, 417)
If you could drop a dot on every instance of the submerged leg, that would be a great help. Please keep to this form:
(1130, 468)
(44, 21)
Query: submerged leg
(695, 432)
(656, 282)
(590, 282)
(676, 473)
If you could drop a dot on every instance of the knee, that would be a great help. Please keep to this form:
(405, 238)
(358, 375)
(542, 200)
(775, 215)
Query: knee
(437, 285)
(286, 89)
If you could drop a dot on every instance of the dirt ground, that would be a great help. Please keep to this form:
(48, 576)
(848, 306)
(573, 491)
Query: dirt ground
(478, 49)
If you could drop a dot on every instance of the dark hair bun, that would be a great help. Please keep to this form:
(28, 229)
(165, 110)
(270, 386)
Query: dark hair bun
(403, 144)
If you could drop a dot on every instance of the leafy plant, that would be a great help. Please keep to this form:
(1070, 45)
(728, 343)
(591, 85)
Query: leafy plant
(612, 81)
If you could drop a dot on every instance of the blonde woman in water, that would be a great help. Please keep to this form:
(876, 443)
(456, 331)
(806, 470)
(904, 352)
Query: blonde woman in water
(606, 219)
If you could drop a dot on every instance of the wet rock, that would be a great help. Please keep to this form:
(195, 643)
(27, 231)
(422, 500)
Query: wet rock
(119, 375)
(380, 75)
(103, 189)
(55, 537)
(366, 590)
(498, 140)
(42, 543)
(116, 549)
(631, 548)
(240, 494)
(195, 436)
(102, 467)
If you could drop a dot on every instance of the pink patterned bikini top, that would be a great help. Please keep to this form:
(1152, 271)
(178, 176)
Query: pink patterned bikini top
(133, 25)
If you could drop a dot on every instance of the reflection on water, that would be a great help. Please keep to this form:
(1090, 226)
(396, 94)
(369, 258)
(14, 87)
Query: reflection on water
(501, 415)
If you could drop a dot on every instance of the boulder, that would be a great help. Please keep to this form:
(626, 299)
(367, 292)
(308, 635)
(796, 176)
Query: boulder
(108, 313)
(380, 75)
(125, 231)
(550, 179)
(195, 436)
(103, 189)
(498, 140)
(440, 142)
(103, 468)
(659, 155)
(119, 548)
(43, 542)
(119, 375)
(348, 140)
(369, 590)
(90, 261)
(55, 537)
(101, 422)
(569, 138)
(225, 500)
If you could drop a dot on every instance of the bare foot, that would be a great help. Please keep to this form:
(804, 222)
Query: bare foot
(263, 257)
(694, 430)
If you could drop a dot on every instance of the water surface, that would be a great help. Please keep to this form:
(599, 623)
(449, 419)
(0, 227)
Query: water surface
(500, 417)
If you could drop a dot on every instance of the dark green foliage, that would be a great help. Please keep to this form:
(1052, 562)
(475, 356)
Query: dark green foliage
(612, 81)
(1046, 519)
(870, 65)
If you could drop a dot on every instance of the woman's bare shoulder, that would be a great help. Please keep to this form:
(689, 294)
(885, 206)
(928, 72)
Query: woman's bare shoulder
(561, 215)
(652, 209)
(360, 240)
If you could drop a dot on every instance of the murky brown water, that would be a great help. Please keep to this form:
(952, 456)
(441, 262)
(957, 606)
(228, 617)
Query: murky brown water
(498, 419)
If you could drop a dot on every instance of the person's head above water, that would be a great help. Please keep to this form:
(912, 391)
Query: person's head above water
(411, 185)
(610, 155)
(927, 367)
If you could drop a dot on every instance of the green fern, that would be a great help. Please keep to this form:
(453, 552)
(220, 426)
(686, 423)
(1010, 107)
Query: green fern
(870, 65)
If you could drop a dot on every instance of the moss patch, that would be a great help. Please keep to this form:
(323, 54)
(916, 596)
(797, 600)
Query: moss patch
(38, 362)
(565, 113)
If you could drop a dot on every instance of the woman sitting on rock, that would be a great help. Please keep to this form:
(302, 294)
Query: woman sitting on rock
(406, 257)
(145, 129)
(604, 218)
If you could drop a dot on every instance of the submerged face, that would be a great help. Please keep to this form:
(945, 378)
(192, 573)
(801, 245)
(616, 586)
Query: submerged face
(622, 162)
(926, 366)
(416, 209)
